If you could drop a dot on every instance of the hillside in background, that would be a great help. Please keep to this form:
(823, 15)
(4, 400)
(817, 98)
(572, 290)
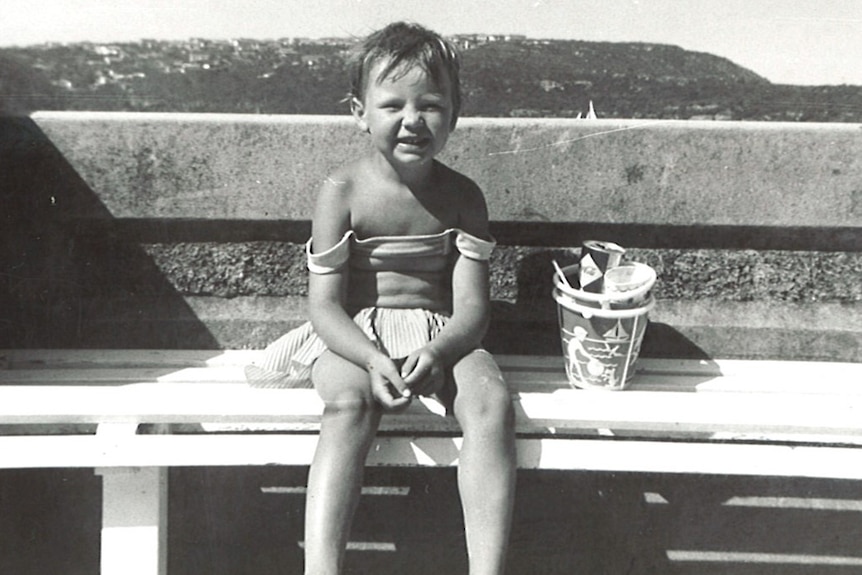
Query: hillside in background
(502, 77)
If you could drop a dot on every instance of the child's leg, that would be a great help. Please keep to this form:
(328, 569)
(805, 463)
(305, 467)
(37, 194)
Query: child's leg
(350, 419)
(486, 472)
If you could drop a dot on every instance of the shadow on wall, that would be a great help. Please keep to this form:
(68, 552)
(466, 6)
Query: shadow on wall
(69, 278)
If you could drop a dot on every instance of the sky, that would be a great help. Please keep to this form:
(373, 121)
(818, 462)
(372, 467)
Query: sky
(804, 42)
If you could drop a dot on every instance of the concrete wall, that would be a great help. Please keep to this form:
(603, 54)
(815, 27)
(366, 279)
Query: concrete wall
(164, 230)
(615, 171)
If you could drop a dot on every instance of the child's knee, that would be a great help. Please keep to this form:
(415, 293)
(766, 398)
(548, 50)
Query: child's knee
(350, 403)
(489, 406)
(350, 421)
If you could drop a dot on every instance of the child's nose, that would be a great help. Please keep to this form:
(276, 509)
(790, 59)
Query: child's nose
(412, 117)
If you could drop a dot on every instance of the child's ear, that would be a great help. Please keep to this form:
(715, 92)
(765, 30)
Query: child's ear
(358, 111)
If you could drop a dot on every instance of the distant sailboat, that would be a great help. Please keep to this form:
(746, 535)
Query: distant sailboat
(591, 114)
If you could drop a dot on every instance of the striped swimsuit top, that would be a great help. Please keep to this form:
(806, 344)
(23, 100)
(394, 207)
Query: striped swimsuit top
(426, 253)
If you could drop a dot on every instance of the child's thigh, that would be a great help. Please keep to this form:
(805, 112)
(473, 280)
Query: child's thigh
(338, 380)
(481, 390)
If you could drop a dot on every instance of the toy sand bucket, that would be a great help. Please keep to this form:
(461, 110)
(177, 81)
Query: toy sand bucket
(602, 333)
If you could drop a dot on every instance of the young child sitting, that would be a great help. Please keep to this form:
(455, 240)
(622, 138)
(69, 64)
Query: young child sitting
(399, 301)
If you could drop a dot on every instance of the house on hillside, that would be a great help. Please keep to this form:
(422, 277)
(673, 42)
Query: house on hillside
(312, 60)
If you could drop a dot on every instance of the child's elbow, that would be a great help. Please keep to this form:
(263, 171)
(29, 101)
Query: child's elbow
(321, 309)
(481, 318)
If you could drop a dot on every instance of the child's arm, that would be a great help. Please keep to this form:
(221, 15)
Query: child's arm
(423, 370)
(326, 302)
(470, 308)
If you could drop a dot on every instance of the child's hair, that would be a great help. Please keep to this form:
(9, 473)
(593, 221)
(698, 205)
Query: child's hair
(405, 45)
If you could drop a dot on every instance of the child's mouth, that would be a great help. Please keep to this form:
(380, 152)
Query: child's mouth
(413, 142)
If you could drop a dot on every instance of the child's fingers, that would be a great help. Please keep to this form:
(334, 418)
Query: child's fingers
(390, 398)
(391, 392)
(421, 366)
(399, 386)
(435, 381)
(430, 383)
(397, 403)
(408, 365)
(387, 395)
(415, 376)
(386, 381)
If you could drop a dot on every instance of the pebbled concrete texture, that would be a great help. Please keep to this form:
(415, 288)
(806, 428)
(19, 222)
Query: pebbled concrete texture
(230, 270)
(722, 302)
(278, 269)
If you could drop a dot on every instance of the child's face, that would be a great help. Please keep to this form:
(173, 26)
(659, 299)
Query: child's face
(407, 113)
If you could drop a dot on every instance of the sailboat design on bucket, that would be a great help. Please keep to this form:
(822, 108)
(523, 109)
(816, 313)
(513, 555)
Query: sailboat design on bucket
(617, 333)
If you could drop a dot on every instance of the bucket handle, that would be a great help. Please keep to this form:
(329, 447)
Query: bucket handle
(589, 312)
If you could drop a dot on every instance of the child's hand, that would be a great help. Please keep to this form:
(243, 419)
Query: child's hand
(388, 387)
(423, 372)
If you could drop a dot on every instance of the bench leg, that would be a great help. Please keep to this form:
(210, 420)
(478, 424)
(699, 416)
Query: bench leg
(134, 521)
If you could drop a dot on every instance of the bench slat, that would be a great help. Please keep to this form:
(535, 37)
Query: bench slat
(533, 453)
(541, 412)
(71, 359)
(132, 358)
(204, 391)
(656, 375)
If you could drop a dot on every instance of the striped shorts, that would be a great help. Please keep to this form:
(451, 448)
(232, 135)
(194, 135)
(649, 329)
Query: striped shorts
(287, 361)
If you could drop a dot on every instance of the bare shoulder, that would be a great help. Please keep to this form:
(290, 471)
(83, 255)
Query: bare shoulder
(332, 208)
(469, 199)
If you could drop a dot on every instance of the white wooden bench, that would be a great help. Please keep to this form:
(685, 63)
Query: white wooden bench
(133, 414)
